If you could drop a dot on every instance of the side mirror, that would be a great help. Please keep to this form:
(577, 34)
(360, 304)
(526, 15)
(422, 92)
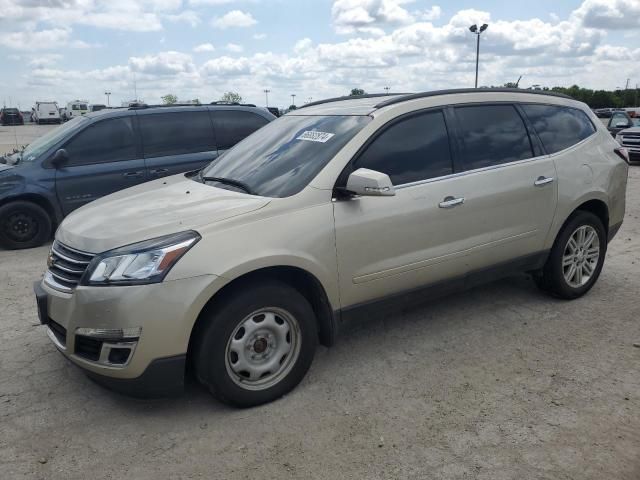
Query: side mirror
(622, 125)
(60, 158)
(370, 183)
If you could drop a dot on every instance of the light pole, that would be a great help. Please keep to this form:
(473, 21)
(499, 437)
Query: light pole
(477, 31)
(293, 99)
(266, 96)
(107, 95)
(386, 89)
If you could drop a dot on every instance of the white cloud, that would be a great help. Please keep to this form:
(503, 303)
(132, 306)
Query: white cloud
(164, 63)
(211, 2)
(609, 14)
(367, 16)
(259, 36)
(187, 16)
(234, 18)
(234, 47)
(36, 40)
(302, 45)
(204, 47)
(431, 14)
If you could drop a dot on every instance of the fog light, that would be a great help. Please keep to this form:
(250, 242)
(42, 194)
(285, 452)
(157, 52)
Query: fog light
(119, 356)
(114, 334)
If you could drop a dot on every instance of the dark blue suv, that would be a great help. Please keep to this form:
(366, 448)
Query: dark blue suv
(100, 153)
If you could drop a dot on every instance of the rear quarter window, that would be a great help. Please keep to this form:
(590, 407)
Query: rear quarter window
(559, 127)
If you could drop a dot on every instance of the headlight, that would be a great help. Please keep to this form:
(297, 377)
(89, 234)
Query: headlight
(139, 263)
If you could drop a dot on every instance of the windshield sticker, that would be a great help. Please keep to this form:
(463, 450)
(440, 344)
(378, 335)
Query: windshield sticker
(314, 136)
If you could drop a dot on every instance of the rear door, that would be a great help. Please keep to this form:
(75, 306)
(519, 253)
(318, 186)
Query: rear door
(232, 126)
(103, 158)
(175, 142)
(509, 186)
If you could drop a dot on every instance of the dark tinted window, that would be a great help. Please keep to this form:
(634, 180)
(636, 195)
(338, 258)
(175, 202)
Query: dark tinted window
(412, 149)
(106, 141)
(176, 133)
(233, 126)
(283, 157)
(491, 135)
(559, 127)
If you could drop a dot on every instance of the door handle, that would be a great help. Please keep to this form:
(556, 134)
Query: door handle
(450, 202)
(137, 174)
(158, 171)
(543, 181)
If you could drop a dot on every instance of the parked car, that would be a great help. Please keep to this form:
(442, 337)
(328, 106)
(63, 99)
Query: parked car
(11, 116)
(45, 112)
(238, 270)
(76, 108)
(99, 153)
(96, 107)
(619, 120)
(630, 140)
(63, 114)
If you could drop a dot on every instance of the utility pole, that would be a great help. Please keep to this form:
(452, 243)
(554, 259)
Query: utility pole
(107, 95)
(266, 96)
(626, 87)
(477, 31)
(293, 99)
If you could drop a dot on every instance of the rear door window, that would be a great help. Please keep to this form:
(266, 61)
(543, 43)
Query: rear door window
(233, 126)
(109, 140)
(412, 149)
(559, 127)
(176, 133)
(492, 135)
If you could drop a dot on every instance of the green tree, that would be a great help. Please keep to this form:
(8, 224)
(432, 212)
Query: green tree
(357, 91)
(231, 97)
(292, 107)
(169, 99)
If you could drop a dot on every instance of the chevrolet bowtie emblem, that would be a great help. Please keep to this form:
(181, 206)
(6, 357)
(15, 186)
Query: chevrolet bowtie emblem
(50, 261)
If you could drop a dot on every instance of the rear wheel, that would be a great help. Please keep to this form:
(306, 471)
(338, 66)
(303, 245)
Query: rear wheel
(577, 257)
(257, 345)
(23, 225)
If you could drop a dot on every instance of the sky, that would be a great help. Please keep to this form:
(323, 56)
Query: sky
(78, 49)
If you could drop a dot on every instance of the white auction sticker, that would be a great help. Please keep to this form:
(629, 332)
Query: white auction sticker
(314, 136)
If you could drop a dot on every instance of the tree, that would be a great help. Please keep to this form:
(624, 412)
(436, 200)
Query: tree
(292, 107)
(169, 99)
(231, 97)
(357, 91)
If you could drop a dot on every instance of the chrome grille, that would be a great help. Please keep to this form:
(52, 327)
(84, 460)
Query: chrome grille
(630, 140)
(66, 266)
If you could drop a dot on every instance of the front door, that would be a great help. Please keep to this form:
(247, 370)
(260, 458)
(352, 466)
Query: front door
(387, 245)
(103, 159)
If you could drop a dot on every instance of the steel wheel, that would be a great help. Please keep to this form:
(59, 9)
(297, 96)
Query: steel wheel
(581, 255)
(263, 348)
(21, 227)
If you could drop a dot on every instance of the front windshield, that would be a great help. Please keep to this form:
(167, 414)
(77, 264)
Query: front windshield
(40, 145)
(282, 157)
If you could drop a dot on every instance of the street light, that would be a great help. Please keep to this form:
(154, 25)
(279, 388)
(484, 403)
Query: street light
(386, 89)
(107, 94)
(293, 99)
(477, 31)
(266, 96)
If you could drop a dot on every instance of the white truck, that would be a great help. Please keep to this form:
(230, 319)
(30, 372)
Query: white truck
(76, 108)
(45, 112)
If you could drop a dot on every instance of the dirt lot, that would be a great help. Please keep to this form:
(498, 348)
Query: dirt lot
(13, 136)
(500, 382)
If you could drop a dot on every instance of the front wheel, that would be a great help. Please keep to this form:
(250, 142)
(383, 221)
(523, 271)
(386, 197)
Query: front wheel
(577, 257)
(257, 344)
(23, 225)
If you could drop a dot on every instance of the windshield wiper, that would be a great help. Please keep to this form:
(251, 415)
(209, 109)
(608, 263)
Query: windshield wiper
(229, 181)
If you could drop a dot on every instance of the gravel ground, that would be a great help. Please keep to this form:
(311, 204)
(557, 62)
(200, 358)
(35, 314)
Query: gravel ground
(500, 382)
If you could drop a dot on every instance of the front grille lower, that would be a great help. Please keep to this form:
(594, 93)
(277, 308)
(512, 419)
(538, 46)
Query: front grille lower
(66, 266)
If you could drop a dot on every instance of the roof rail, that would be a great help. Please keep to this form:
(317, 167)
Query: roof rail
(163, 105)
(234, 104)
(412, 96)
(349, 97)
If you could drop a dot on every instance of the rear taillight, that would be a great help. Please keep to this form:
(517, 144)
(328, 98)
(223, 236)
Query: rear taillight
(622, 153)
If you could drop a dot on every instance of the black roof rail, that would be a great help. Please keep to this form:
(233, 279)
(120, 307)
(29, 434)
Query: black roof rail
(234, 104)
(412, 96)
(163, 105)
(349, 97)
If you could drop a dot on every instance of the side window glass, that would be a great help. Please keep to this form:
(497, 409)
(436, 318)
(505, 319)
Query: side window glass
(413, 149)
(559, 127)
(176, 133)
(110, 140)
(232, 126)
(492, 135)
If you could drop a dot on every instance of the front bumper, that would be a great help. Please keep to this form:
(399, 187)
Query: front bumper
(163, 313)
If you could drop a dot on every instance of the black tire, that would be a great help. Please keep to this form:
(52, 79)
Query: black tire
(23, 225)
(210, 353)
(552, 277)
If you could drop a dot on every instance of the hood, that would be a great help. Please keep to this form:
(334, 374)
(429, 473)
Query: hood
(4, 166)
(164, 206)
(629, 130)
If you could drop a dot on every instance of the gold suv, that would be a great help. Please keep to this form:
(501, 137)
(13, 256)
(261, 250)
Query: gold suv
(238, 270)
